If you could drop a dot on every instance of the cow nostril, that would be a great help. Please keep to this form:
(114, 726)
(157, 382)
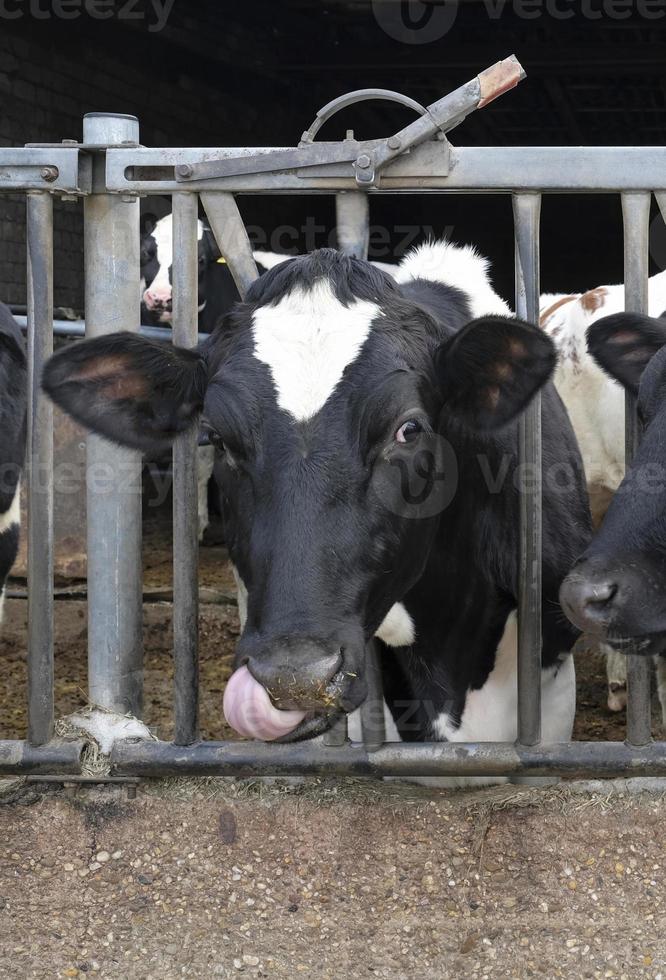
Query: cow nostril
(589, 602)
(601, 593)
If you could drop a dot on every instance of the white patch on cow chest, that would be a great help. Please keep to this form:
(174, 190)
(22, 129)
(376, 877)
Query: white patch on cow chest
(12, 515)
(491, 712)
(397, 628)
(307, 340)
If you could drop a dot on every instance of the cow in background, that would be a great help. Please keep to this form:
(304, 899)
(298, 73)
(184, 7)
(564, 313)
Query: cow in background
(216, 290)
(13, 407)
(617, 589)
(595, 403)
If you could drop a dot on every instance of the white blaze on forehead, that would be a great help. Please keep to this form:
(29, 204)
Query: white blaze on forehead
(163, 235)
(307, 340)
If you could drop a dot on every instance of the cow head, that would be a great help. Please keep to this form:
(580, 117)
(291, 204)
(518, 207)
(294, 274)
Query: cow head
(326, 381)
(617, 590)
(156, 260)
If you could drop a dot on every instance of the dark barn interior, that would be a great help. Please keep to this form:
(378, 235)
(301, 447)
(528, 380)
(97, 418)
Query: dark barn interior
(221, 73)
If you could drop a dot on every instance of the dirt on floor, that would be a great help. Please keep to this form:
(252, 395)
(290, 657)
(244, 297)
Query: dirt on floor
(219, 879)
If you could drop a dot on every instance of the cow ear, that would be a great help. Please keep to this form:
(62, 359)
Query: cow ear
(492, 368)
(624, 343)
(136, 392)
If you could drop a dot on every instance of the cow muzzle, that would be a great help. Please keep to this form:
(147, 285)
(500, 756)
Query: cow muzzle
(621, 603)
(158, 299)
(294, 689)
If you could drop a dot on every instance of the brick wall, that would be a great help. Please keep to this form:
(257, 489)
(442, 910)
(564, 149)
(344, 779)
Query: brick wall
(51, 74)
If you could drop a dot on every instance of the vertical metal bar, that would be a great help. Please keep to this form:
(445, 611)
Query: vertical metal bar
(353, 223)
(661, 201)
(353, 234)
(185, 484)
(337, 733)
(40, 470)
(231, 237)
(372, 709)
(526, 214)
(111, 258)
(636, 218)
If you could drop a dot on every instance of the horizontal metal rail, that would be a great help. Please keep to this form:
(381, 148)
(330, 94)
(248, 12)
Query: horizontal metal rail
(551, 169)
(17, 757)
(57, 169)
(77, 328)
(392, 759)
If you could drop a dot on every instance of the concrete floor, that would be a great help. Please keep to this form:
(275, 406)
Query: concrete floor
(213, 878)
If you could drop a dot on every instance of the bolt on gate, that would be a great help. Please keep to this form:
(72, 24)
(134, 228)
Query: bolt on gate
(109, 170)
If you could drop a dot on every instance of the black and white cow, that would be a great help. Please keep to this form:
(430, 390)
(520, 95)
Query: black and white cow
(13, 405)
(595, 403)
(366, 434)
(217, 290)
(617, 589)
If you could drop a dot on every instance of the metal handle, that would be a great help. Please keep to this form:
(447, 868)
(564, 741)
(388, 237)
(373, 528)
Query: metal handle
(352, 98)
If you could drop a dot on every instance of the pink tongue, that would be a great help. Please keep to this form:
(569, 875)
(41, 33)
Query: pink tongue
(250, 712)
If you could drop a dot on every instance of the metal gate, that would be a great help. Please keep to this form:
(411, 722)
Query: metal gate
(109, 170)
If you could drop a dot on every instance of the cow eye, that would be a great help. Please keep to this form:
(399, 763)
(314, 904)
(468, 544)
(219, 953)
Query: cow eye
(213, 437)
(409, 431)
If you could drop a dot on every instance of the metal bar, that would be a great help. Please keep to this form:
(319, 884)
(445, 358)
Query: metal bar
(17, 757)
(185, 518)
(661, 201)
(526, 213)
(636, 217)
(372, 709)
(111, 258)
(353, 223)
(604, 759)
(40, 470)
(231, 237)
(496, 169)
(337, 733)
(55, 169)
(77, 328)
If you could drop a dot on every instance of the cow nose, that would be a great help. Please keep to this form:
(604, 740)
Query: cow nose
(588, 602)
(156, 298)
(297, 673)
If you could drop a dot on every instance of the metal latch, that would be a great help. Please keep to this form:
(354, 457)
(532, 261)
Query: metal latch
(368, 158)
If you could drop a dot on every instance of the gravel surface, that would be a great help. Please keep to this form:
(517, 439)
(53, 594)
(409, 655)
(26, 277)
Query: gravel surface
(217, 879)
